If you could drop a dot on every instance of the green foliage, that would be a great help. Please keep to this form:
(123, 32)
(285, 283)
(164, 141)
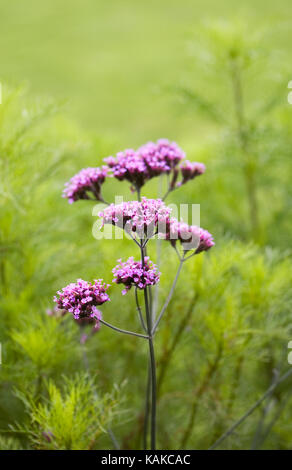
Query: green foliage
(9, 443)
(237, 304)
(70, 418)
(46, 343)
(226, 330)
(233, 85)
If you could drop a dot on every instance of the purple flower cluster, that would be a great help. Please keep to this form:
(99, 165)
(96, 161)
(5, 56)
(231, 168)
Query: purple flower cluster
(133, 273)
(86, 181)
(189, 170)
(161, 157)
(148, 161)
(191, 237)
(81, 298)
(206, 241)
(135, 166)
(128, 165)
(145, 218)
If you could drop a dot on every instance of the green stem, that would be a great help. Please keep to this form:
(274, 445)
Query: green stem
(147, 409)
(212, 368)
(167, 356)
(139, 311)
(168, 298)
(153, 394)
(268, 392)
(151, 362)
(249, 172)
(120, 330)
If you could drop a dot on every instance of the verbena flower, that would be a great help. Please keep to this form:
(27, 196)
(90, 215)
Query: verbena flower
(161, 157)
(133, 273)
(145, 218)
(88, 180)
(128, 165)
(84, 321)
(150, 160)
(189, 170)
(190, 237)
(206, 241)
(81, 298)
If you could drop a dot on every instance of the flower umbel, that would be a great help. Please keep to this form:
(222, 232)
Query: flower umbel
(133, 273)
(189, 170)
(161, 157)
(145, 218)
(191, 237)
(128, 165)
(88, 180)
(81, 298)
(206, 241)
(150, 160)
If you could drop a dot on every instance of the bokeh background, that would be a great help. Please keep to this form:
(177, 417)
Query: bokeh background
(81, 81)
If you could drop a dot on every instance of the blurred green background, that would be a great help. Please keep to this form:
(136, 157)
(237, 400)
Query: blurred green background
(81, 81)
(111, 59)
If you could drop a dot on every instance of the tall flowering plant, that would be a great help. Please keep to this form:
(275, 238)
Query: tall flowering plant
(143, 219)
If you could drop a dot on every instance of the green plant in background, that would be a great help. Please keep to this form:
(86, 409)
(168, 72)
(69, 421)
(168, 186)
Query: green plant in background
(36, 140)
(226, 330)
(142, 220)
(241, 87)
(69, 419)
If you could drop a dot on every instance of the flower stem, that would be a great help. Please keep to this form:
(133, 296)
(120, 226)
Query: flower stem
(249, 170)
(168, 298)
(139, 311)
(268, 392)
(147, 409)
(153, 393)
(152, 364)
(120, 330)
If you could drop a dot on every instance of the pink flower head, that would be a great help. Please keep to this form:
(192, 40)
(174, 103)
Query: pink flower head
(206, 241)
(133, 273)
(161, 157)
(148, 161)
(191, 237)
(189, 170)
(81, 298)
(128, 165)
(88, 180)
(145, 218)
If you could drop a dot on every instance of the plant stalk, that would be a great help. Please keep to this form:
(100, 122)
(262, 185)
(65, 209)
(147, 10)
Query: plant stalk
(152, 364)
(249, 172)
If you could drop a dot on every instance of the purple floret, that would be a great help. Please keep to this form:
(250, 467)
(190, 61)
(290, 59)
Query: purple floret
(190, 237)
(81, 298)
(133, 273)
(145, 218)
(88, 180)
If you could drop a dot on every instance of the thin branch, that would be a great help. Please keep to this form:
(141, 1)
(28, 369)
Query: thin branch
(147, 408)
(268, 392)
(167, 356)
(152, 363)
(166, 194)
(126, 332)
(102, 200)
(273, 421)
(168, 298)
(134, 240)
(139, 311)
(211, 370)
